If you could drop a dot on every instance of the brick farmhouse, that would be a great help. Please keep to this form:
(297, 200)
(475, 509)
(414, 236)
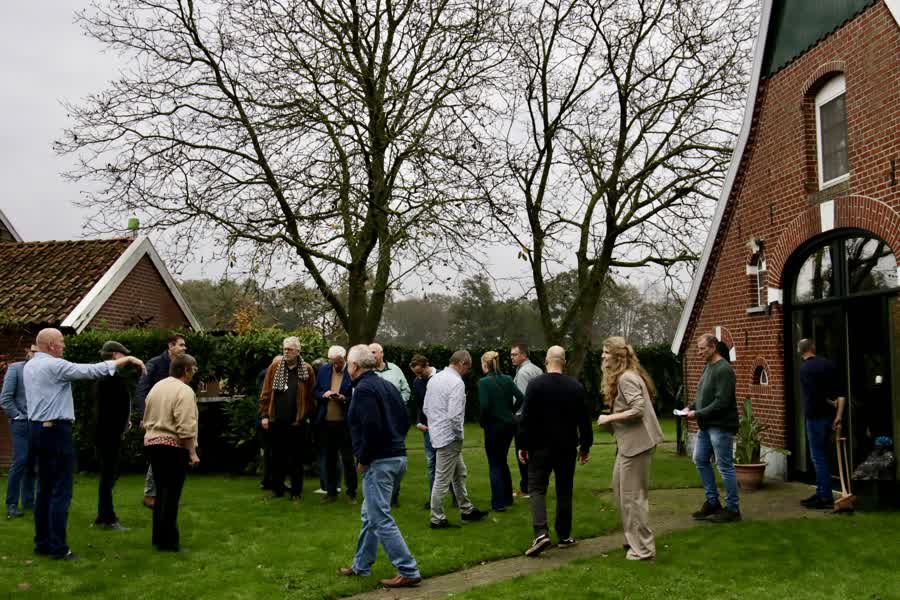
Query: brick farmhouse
(77, 285)
(805, 238)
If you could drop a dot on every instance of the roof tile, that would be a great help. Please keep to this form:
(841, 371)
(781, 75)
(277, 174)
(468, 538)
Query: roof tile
(42, 282)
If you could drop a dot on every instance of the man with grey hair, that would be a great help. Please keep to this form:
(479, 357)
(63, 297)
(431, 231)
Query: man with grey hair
(51, 409)
(445, 407)
(715, 409)
(525, 372)
(285, 403)
(378, 425)
(392, 373)
(332, 394)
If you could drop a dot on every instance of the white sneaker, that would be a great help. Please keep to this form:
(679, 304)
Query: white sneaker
(320, 491)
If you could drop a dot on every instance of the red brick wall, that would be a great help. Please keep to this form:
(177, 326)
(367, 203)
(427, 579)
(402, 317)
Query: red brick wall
(142, 295)
(770, 198)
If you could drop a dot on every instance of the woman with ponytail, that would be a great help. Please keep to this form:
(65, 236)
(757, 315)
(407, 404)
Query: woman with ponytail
(629, 392)
(499, 399)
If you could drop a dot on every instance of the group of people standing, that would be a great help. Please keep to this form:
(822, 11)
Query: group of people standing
(37, 395)
(360, 406)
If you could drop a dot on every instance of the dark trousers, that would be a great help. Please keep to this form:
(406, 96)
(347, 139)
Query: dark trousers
(21, 477)
(336, 436)
(497, 439)
(170, 465)
(266, 445)
(108, 451)
(288, 449)
(817, 431)
(561, 462)
(523, 468)
(56, 463)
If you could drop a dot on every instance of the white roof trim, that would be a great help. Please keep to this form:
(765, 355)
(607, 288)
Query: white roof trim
(6, 223)
(737, 156)
(91, 304)
(894, 7)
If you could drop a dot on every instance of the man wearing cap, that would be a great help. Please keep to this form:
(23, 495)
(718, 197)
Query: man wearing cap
(112, 409)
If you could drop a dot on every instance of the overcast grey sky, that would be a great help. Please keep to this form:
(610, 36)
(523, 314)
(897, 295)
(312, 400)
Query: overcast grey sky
(46, 59)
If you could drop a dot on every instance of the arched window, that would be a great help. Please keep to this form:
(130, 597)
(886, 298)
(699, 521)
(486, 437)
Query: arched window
(757, 270)
(846, 266)
(831, 132)
(760, 376)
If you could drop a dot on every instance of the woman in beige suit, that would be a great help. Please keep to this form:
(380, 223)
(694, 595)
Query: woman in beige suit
(629, 392)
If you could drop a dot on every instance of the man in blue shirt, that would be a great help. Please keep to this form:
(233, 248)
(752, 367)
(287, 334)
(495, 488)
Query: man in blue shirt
(51, 410)
(823, 407)
(378, 424)
(20, 480)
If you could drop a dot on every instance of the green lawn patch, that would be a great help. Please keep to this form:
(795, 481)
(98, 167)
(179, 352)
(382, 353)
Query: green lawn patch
(838, 558)
(242, 546)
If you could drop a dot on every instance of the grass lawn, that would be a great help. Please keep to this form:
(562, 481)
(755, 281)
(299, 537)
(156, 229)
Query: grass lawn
(837, 558)
(243, 546)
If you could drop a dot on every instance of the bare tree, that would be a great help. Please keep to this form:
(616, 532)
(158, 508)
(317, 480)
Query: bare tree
(622, 118)
(334, 134)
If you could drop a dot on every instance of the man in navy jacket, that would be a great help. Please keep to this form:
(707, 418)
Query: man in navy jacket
(378, 423)
(21, 478)
(332, 394)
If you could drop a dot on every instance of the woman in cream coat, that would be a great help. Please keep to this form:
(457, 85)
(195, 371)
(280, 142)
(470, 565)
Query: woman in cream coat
(629, 392)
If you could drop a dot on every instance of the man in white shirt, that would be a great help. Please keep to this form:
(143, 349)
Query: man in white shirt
(445, 407)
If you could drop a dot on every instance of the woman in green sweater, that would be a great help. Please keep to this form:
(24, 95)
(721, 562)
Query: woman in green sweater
(499, 399)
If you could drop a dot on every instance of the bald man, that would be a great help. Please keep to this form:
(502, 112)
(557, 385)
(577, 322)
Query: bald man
(556, 424)
(51, 411)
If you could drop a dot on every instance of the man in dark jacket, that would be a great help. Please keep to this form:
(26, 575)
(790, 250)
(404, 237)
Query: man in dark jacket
(157, 370)
(555, 424)
(332, 394)
(112, 397)
(378, 424)
(715, 409)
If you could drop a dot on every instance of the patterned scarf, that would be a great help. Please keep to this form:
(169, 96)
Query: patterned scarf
(281, 375)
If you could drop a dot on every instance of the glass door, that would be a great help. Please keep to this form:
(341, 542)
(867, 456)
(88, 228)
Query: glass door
(827, 325)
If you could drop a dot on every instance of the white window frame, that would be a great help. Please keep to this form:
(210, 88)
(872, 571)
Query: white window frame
(761, 289)
(831, 90)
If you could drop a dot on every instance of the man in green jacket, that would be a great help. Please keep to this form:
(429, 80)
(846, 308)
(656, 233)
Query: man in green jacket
(715, 409)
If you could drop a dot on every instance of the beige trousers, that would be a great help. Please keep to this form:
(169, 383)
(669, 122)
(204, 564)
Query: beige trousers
(631, 482)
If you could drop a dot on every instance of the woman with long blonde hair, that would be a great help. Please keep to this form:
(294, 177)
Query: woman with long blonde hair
(499, 399)
(629, 392)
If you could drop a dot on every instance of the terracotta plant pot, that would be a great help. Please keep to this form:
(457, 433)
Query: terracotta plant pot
(750, 477)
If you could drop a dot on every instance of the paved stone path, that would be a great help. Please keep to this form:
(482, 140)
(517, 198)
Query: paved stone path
(669, 511)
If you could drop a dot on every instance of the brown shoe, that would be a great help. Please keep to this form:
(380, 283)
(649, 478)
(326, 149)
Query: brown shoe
(149, 501)
(347, 572)
(400, 581)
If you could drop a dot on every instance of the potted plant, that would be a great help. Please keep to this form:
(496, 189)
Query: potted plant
(749, 465)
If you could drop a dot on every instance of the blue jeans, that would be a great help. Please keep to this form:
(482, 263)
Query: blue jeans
(817, 437)
(715, 440)
(430, 460)
(20, 480)
(56, 463)
(497, 440)
(378, 525)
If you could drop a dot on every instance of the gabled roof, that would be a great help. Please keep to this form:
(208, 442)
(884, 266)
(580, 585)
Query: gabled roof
(66, 283)
(764, 64)
(6, 224)
(758, 55)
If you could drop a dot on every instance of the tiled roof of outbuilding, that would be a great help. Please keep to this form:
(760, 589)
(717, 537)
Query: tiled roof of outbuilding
(42, 282)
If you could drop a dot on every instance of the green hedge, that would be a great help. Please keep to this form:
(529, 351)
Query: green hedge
(228, 430)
